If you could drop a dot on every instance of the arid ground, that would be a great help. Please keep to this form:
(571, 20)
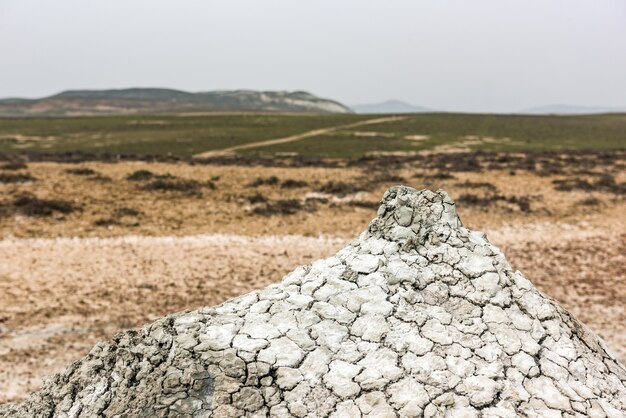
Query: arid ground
(92, 248)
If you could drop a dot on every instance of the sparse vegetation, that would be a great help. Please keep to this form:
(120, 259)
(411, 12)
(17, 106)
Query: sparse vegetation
(264, 181)
(171, 135)
(293, 184)
(177, 185)
(168, 182)
(280, 207)
(124, 211)
(605, 183)
(121, 217)
(155, 135)
(387, 177)
(436, 176)
(30, 205)
(81, 171)
(470, 199)
(590, 201)
(332, 187)
(14, 165)
(105, 222)
(364, 204)
(142, 175)
(477, 185)
(257, 198)
(15, 178)
(339, 188)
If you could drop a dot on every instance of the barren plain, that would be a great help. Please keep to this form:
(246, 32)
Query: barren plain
(91, 248)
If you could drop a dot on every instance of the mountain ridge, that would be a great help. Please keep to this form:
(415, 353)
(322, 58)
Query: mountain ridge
(391, 106)
(162, 100)
(565, 109)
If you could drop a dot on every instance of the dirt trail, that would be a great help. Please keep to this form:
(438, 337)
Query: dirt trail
(297, 137)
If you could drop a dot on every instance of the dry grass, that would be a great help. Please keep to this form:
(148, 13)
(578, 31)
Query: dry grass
(182, 199)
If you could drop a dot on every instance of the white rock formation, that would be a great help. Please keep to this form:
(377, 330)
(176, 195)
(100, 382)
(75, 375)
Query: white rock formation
(418, 317)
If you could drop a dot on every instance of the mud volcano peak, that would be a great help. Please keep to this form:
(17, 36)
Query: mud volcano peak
(408, 216)
(417, 317)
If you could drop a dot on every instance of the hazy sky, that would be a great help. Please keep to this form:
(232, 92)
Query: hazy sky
(478, 55)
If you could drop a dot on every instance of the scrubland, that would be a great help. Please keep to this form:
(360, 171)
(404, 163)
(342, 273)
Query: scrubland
(96, 243)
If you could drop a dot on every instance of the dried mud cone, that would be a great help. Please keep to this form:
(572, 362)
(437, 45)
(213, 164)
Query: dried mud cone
(418, 317)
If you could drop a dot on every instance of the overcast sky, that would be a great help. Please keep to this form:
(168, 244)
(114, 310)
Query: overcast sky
(479, 55)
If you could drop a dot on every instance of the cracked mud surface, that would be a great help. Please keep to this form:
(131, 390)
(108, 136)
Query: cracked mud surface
(418, 316)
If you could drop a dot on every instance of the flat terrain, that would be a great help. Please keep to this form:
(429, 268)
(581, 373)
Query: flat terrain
(92, 248)
(183, 135)
(96, 199)
(107, 223)
(186, 135)
(446, 132)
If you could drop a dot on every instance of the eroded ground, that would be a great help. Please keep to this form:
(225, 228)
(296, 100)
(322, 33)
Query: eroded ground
(562, 224)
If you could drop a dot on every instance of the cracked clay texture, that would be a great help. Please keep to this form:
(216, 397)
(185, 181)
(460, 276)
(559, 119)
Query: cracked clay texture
(417, 317)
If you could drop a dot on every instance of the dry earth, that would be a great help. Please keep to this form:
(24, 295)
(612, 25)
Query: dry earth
(68, 280)
(178, 200)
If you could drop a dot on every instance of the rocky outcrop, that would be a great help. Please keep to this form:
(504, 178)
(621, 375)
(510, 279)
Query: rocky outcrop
(418, 317)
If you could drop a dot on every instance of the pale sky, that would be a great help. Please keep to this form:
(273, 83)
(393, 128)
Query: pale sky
(455, 55)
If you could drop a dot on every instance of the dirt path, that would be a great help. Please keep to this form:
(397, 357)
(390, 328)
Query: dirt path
(297, 137)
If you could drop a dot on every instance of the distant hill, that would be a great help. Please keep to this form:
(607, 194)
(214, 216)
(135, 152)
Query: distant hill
(390, 106)
(571, 110)
(155, 100)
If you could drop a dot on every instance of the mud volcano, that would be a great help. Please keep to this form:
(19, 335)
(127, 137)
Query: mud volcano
(418, 317)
